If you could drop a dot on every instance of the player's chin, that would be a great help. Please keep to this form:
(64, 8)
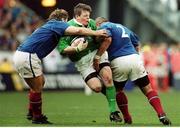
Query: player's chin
(86, 23)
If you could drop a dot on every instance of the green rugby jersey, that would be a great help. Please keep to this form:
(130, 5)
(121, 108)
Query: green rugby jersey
(65, 41)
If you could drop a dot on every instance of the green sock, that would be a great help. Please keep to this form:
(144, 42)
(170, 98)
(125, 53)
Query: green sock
(111, 97)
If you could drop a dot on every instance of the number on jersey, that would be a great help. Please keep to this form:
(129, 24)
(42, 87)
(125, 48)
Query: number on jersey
(124, 34)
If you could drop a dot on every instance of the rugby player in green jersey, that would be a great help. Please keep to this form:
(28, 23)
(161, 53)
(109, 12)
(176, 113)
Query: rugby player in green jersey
(83, 58)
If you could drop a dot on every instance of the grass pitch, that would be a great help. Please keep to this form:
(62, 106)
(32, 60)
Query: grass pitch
(73, 108)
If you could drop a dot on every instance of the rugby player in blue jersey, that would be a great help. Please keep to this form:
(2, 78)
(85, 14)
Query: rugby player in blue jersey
(122, 46)
(28, 56)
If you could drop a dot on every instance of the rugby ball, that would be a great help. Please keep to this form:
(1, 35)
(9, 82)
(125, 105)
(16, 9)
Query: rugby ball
(77, 40)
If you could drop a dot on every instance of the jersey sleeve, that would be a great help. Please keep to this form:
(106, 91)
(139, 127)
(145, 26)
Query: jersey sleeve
(92, 24)
(60, 27)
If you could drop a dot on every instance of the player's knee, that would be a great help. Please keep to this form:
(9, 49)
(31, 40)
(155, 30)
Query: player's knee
(146, 89)
(97, 89)
(106, 75)
(119, 85)
(108, 81)
(142, 82)
(37, 88)
(43, 83)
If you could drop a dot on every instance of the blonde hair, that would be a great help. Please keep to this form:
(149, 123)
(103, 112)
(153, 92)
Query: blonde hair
(100, 20)
(59, 14)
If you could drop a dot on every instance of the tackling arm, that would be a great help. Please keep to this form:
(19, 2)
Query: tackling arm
(103, 47)
(71, 30)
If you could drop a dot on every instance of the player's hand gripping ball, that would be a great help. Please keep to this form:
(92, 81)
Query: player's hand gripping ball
(80, 43)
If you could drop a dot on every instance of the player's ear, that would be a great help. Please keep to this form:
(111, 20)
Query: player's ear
(97, 24)
(64, 19)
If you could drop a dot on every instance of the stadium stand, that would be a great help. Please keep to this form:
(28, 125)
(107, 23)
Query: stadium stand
(164, 14)
(17, 22)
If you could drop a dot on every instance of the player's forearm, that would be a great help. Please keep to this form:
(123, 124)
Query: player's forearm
(69, 50)
(104, 46)
(79, 31)
(86, 32)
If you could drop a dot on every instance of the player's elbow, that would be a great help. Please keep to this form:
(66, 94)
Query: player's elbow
(109, 39)
(97, 89)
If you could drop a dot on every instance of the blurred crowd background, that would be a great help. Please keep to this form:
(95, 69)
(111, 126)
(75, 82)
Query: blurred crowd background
(16, 23)
(157, 22)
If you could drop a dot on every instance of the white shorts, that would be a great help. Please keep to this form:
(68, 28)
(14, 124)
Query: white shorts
(27, 64)
(128, 67)
(85, 64)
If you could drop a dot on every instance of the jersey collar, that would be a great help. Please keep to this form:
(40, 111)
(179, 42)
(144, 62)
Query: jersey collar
(78, 22)
(103, 23)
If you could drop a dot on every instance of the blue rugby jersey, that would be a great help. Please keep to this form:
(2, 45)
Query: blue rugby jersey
(123, 40)
(43, 40)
